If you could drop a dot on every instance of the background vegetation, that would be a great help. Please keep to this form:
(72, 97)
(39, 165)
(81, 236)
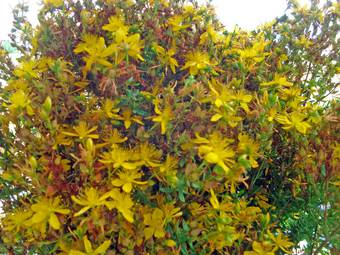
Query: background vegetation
(143, 127)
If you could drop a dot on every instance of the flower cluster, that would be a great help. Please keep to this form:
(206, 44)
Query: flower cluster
(143, 127)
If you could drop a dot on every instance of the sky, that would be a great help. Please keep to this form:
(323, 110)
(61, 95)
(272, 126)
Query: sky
(248, 14)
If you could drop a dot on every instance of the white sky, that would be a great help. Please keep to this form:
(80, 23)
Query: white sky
(248, 14)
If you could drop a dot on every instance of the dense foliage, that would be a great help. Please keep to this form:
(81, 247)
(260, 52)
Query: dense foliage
(143, 127)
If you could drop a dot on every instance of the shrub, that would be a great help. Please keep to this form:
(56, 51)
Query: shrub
(146, 128)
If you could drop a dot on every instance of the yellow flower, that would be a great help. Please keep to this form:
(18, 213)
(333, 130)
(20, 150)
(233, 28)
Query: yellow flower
(170, 211)
(220, 94)
(163, 117)
(197, 61)
(54, 3)
(109, 108)
(271, 114)
(293, 120)
(97, 52)
(210, 34)
(263, 248)
(82, 131)
(278, 80)
(163, 2)
(46, 209)
(168, 169)
(304, 42)
(16, 220)
(155, 223)
(61, 139)
(246, 215)
(127, 178)
(19, 100)
(128, 118)
(255, 53)
(114, 138)
(87, 43)
(293, 96)
(169, 165)
(224, 237)
(149, 155)
(131, 46)
(165, 56)
(176, 23)
(27, 69)
(89, 250)
(290, 93)
(119, 157)
(216, 150)
(117, 27)
(228, 115)
(90, 199)
(242, 99)
(122, 202)
(281, 241)
(189, 10)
